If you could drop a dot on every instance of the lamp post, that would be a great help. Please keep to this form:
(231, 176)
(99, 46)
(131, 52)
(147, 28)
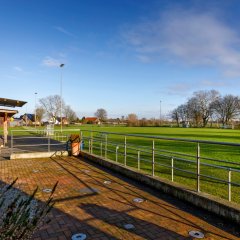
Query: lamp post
(35, 117)
(160, 114)
(61, 66)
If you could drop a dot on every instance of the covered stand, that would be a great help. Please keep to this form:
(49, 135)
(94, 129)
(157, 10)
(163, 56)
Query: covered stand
(6, 113)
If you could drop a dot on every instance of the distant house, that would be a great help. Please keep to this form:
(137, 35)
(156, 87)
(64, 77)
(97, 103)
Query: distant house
(92, 120)
(16, 122)
(57, 120)
(28, 118)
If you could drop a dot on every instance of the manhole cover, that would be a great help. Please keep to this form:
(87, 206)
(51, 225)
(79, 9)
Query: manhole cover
(88, 190)
(138, 200)
(196, 234)
(47, 190)
(107, 182)
(79, 236)
(129, 226)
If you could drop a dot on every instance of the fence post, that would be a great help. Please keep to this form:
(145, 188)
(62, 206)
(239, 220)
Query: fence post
(106, 146)
(172, 166)
(91, 142)
(81, 140)
(89, 145)
(48, 143)
(11, 142)
(101, 148)
(138, 160)
(229, 184)
(198, 167)
(116, 153)
(153, 160)
(125, 151)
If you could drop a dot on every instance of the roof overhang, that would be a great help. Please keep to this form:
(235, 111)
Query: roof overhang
(9, 112)
(11, 102)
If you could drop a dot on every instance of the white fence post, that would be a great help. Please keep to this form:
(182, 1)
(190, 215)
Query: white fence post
(153, 158)
(125, 151)
(106, 141)
(138, 160)
(229, 185)
(198, 167)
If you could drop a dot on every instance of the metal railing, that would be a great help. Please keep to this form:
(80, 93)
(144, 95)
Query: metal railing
(205, 166)
(35, 140)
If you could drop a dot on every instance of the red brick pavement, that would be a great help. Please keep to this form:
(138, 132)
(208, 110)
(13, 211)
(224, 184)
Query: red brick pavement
(85, 204)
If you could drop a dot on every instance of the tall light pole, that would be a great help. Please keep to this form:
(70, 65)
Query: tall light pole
(35, 117)
(160, 114)
(61, 66)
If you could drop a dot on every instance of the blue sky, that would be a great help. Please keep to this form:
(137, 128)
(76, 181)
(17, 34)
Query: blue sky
(125, 56)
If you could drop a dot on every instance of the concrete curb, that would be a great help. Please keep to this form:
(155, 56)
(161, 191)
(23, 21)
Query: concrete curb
(38, 155)
(208, 202)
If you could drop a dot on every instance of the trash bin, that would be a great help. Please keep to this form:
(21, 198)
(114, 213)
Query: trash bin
(75, 144)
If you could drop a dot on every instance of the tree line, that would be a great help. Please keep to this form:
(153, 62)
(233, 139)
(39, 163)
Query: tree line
(206, 105)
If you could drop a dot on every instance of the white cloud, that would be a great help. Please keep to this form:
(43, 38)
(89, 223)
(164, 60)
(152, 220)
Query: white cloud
(144, 58)
(18, 69)
(62, 30)
(51, 62)
(180, 89)
(188, 37)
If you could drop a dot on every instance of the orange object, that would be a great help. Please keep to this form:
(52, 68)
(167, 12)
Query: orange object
(75, 148)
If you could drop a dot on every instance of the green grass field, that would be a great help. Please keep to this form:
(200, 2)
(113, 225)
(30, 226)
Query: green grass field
(166, 149)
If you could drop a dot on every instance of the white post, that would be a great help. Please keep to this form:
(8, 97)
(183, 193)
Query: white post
(153, 158)
(229, 185)
(125, 151)
(61, 66)
(116, 153)
(198, 167)
(138, 160)
(106, 146)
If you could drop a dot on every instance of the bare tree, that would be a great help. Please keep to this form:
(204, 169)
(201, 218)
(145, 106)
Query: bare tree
(69, 113)
(132, 119)
(175, 116)
(52, 105)
(204, 104)
(40, 113)
(101, 114)
(226, 108)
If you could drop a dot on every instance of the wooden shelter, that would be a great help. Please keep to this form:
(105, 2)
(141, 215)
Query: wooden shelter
(6, 113)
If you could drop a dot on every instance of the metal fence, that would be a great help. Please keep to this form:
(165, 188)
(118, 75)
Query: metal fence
(206, 166)
(211, 167)
(35, 140)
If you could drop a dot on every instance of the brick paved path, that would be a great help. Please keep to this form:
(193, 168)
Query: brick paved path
(85, 204)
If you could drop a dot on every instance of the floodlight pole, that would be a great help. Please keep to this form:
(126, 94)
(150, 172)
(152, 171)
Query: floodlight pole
(160, 114)
(61, 66)
(35, 110)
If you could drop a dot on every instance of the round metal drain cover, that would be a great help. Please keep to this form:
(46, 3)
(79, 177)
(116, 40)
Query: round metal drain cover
(107, 182)
(138, 200)
(47, 190)
(79, 236)
(129, 226)
(196, 234)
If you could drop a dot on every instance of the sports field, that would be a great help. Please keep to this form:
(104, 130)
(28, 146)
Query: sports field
(165, 150)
